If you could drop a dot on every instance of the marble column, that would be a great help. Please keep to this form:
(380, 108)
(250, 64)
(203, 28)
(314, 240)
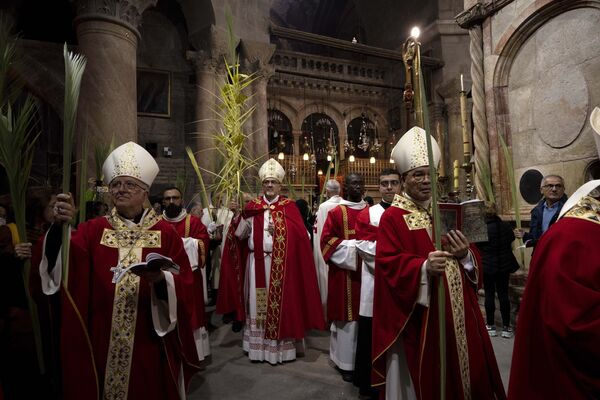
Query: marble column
(200, 131)
(108, 37)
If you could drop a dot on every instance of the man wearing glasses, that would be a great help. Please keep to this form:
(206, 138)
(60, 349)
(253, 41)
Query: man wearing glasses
(127, 338)
(546, 211)
(406, 333)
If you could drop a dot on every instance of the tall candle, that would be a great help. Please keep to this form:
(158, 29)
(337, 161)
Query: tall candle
(442, 144)
(466, 136)
(456, 185)
(462, 83)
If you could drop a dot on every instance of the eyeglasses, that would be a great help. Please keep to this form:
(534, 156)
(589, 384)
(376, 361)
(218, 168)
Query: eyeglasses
(128, 186)
(557, 186)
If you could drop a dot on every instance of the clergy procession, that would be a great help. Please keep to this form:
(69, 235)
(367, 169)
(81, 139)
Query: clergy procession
(257, 279)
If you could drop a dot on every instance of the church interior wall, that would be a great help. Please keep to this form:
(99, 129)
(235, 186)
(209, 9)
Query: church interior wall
(542, 64)
(162, 48)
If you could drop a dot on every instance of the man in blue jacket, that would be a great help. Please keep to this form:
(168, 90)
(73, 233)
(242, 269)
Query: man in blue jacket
(545, 213)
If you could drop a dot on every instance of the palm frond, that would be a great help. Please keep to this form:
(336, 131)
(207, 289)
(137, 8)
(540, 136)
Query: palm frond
(19, 131)
(513, 193)
(74, 67)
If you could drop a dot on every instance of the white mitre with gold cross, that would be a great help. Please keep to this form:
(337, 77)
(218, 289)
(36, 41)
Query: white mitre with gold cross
(411, 151)
(271, 169)
(130, 159)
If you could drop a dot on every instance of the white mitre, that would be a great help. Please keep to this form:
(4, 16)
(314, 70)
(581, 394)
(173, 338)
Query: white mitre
(271, 169)
(130, 159)
(411, 151)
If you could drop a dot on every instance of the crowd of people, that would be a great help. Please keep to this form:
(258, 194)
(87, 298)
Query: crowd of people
(135, 285)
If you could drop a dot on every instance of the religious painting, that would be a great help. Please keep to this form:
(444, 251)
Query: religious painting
(154, 93)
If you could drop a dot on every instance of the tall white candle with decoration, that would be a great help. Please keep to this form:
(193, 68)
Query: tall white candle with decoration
(466, 136)
(456, 182)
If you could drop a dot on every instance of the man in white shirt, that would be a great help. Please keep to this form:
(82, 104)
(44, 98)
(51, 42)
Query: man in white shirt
(366, 243)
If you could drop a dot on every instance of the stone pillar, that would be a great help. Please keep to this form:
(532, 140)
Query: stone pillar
(256, 56)
(472, 19)
(201, 129)
(260, 129)
(108, 37)
(297, 133)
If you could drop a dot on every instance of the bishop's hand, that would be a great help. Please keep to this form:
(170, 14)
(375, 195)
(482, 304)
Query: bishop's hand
(436, 262)
(64, 209)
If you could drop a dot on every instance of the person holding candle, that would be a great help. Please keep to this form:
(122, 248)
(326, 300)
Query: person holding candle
(406, 333)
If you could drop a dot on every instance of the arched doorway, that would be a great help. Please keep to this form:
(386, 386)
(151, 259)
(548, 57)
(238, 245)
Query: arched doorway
(361, 134)
(320, 139)
(280, 133)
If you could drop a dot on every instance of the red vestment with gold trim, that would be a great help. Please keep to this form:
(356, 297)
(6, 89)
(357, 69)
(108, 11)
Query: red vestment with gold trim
(343, 287)
(403, 244)
(90, 364)
(557, 346)
(196, 230)
(293, 300)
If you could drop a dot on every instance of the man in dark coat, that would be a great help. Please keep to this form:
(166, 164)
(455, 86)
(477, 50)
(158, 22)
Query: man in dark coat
(546, 211)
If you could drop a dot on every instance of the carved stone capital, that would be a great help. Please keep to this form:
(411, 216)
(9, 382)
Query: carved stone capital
(203, 60)
(479, 12)
(257, 55)
(127, 12)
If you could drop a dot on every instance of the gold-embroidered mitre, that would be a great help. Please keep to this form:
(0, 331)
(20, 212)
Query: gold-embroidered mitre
(130, 159)
(411, 151)
(271, 169)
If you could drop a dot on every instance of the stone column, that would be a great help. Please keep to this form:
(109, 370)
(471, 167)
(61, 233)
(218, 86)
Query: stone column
(297, 133)
(108, 37)
(200, 130)
(256, 56)
(260, 130)
(472, 19)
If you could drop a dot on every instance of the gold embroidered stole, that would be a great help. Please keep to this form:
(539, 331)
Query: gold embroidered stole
(419, 218)
(130, 243)
(588, 209)
(347, 233)
(277, 274)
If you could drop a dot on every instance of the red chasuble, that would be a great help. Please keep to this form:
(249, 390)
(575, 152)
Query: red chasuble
(231, 279)
(403, 244)
(193, 227)
(109, 348)
(343, 287)
(293, 300)
(557, 347)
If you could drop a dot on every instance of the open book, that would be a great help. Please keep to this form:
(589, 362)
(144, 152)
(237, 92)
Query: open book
(154, 261)
(467, 217)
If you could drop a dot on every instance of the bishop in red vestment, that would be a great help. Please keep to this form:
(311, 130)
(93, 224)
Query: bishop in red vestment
(130, 339)
(557, 345)
(338, 245)
(196, 243)
(405, 310)
(281, 292)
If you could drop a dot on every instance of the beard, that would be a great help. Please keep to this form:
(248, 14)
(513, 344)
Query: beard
(173, 210)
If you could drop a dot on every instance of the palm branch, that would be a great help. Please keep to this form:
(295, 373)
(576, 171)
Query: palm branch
(19, 132)
(513, 193)
(74, 67)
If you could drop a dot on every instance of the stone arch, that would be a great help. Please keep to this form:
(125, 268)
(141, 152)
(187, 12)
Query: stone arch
(533, 18)
(288, 109)
(318, 107)
(511, 45)
(200, 17)
(382, 117)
